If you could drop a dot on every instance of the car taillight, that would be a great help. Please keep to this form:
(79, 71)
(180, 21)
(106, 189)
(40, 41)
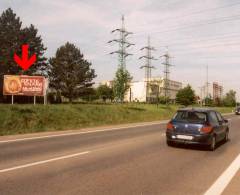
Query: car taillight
(170, 127)
(206, 129)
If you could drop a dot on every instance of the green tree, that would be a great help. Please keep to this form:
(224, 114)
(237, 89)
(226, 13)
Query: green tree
(121, 84)
(230, 98)
(89, 94)
(70, 74)
(105, 93)
(208, 101)
(186, 96)
(218, 102)
(12, 37)
(163, 100)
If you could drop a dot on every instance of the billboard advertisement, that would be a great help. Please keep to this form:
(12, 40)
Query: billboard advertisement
(24, 85)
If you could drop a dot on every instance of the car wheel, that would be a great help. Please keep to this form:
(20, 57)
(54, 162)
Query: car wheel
(213, 143)
(169, 143)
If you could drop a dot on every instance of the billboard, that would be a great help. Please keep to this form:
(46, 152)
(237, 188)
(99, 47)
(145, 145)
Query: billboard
(24, 85)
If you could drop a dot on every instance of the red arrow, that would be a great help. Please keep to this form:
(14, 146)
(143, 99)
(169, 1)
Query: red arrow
(25, 62)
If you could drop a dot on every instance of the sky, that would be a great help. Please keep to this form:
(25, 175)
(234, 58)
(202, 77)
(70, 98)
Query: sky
(197, 34)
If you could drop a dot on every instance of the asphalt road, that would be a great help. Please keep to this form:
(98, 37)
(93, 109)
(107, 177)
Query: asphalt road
(134, 160)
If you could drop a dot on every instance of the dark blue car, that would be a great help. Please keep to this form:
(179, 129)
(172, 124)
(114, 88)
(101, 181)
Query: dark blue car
(197, 126)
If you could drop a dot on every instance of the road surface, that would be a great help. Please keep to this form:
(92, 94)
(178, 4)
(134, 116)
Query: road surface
(133, 160)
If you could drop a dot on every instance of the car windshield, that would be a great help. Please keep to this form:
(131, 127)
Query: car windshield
(191, 116)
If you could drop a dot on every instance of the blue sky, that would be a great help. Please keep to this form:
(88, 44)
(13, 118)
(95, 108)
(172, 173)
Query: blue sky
(197, 33)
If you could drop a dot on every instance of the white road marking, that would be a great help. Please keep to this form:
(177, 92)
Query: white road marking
(221, 183)
(83, 132)
(43, 162)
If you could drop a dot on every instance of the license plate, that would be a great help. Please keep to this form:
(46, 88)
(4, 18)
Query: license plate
(186, 137)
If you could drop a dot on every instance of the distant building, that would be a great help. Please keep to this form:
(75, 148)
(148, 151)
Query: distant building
(215, 94)
(217, 91)
(107, 83)
(157, 88)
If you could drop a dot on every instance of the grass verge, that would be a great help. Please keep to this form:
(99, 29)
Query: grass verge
(20, 119)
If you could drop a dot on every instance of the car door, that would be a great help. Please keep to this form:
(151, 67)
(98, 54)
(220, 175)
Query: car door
(215, 124)
(222, 125)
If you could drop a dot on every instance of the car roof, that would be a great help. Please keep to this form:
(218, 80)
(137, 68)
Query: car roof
(197, 109)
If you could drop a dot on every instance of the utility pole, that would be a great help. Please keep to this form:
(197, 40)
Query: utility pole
(206, 87)
(166, 72)
(201, 94)
(148, 67)
(123, 44)
(207, 83)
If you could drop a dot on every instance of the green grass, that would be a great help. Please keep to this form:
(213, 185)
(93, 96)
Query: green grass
(19, 119)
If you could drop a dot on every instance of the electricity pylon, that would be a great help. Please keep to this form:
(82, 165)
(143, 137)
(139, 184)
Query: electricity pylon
(148, 67)
(166, 72)
(123, 44)
(207, 83)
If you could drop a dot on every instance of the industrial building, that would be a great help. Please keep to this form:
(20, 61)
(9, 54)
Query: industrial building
(143, 91)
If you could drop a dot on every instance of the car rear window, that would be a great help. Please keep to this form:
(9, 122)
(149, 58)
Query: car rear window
(191, 116)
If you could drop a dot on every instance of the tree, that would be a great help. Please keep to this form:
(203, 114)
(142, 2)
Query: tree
(104, 92)
(218, 102)
(230, 98)
(30, 37)
(70, 74)
(163, 100)
(186, 96)
(208, 101)
(12, 37)
(121, 84)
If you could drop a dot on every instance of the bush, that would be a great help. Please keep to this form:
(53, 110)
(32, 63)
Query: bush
(186, 96)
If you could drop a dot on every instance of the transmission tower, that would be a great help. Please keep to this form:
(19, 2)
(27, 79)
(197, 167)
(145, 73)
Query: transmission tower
(123, 44)
(166, 72)
(207, 83)
(202, 89)
(148, 67)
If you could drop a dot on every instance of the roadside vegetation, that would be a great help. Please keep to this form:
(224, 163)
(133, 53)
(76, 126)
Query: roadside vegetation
(71, 79)
(19, 119)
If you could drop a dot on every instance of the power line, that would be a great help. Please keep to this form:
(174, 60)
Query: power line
(123, 44)
(206, 22)
(218, 37)
(183, 52)
(224, 19)
(219, 20)
(201, 47)
(209, 57)
(181, 41)
(196, 12)
(201, 23)
(202, 11)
